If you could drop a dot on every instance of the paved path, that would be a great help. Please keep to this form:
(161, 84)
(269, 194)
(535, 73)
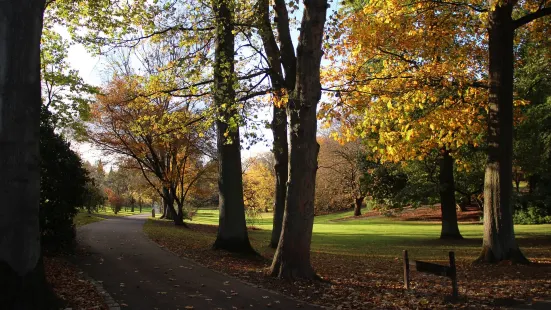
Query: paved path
(140, 275)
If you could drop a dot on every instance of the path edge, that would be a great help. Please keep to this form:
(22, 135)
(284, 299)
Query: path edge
(107, 298)
(231, 276)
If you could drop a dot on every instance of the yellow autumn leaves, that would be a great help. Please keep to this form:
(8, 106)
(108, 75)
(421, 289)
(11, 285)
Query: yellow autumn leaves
(410, 77)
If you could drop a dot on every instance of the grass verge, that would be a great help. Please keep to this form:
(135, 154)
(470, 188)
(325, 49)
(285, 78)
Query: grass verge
(83, 218)
(109, 212)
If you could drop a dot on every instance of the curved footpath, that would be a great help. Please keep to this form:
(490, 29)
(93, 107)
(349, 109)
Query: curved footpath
(139, 274)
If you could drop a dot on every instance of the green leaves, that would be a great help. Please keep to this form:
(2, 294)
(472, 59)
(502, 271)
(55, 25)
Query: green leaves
(64, 92)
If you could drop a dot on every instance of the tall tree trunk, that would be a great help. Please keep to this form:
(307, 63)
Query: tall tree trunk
(168, 205)
(22, 283)
(358, 206)
(232, 229)
(292, 257)
(162, 209)
(279, 121)
(276, 59)
(171, 211)
(499, 237)
(281, 157)
(446, 186)
(178, 216)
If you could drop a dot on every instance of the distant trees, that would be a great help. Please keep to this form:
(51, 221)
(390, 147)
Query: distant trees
(339, 178)
(258, 181)
(94, 197)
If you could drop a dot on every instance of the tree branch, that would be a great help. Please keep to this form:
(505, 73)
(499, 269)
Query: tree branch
(288, 57)
(517, 23)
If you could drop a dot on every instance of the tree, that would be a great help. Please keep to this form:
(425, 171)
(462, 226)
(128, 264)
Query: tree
(21, 270)
(117, 189)
(194, 25)
(64, 92)
(292, 256)
(283, 81)
(115, 200)
(499, 236)
(340, 170)
(448, 45)
(258, 181)
(232, 228)
(409, 91)
(161, 135)
(94, 197)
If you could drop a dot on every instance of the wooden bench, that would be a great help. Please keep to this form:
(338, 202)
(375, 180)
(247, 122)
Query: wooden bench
(435, 269)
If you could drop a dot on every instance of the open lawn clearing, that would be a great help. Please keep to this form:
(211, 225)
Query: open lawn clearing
(362, 261)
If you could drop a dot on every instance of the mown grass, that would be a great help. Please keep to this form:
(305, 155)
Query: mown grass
(83, 218)
(388, 237)
(109, 212)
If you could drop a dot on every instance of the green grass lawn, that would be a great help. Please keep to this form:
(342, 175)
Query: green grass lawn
(387, 237)
(108, 211)
(83, 218)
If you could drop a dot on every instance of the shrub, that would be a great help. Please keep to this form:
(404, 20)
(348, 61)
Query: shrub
(396, 186)
(532, 215)
(532, 208)
(62, 187)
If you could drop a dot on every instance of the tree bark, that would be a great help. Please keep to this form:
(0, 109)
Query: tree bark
(281, 156)
(232, 229)
(499, 237)
(22, 282)
(162, 210)
(279, 121)
(171, 213)
(178, 216)
(292, 257)
(358, 206)
(168, 205)
(450, 228)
